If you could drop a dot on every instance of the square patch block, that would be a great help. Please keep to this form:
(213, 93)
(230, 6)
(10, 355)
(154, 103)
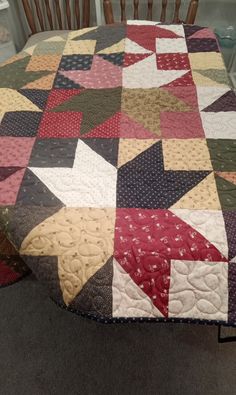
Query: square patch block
(219, 125)
(206, 60)
(223, 154)
(20, 124)
(181, 125)
(202, 45)
(44, 63)
(76, 62)
(189, 154)
(171, 45)
(53, 153)
(49, 48)
(83, 47)
(15, 151)
(64, 124)
(194, 294)
(173, 61)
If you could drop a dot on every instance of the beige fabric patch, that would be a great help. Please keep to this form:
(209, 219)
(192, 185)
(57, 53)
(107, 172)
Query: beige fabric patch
(130, 148)
(189, 154)
(202, 197)
(14, 101)
(42, 83)
(82, 238)
(201, 80)
(44, 63)
(82, 47)
(81, 32)
(206, 60)
(118, 47)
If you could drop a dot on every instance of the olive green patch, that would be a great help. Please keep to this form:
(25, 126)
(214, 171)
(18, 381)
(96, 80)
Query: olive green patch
(223, 154)
(227, 193)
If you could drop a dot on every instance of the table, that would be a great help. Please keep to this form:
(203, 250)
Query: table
(118, 166)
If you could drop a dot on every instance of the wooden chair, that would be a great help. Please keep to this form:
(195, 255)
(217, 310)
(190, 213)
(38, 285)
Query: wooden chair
(190, 18)
(35, 11)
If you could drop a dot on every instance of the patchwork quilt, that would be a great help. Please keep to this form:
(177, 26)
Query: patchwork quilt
(118, 171)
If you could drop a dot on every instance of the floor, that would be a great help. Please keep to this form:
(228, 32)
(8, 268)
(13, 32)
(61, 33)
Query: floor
(45, 351)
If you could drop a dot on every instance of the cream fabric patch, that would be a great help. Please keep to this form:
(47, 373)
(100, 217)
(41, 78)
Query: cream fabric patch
(189, 154)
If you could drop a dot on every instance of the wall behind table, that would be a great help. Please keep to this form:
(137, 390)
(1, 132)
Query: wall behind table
(211, 13)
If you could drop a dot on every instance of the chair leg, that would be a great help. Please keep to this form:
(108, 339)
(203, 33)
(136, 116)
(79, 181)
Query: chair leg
(225, 339)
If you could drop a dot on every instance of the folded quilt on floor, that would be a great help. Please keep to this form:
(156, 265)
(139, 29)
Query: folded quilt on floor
(118, 171)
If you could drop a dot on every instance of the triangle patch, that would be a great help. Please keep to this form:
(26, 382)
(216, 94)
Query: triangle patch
(203, 33)
(38, 97)
(115, 48)
(38, 195)
(203, 196)
(96, 295)
(132, 129)
(45, 83)
(228, 176)
(128, 298)
(130, 148)
(227, 102)
(107, 148)
(204, 221)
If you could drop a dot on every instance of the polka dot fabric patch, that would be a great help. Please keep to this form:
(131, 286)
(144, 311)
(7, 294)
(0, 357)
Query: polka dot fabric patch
(118, 172)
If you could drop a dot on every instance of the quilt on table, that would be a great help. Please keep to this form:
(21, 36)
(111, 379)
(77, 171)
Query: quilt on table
(118, 171)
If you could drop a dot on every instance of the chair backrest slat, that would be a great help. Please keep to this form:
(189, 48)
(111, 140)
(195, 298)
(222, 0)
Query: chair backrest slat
(68, 14)
(54, 14)
(123, 10)
(39, 14)
(58, 12)
(49, 14)
(86, 13)
(149, 12)
(136, 5)
(77, 14)
(176, 13)
(191, 13)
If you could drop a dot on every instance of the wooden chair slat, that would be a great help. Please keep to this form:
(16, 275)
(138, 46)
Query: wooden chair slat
(150, 7)
(29, 16)
(39, 14)
(136, 5)
(163, 10)
(191, 14)
(108, 11)
(68, 14)
(123, 10)
(58, 12)
(77, 13)
(86, 13)
(176, 13)
(49, 14)
(54, 14)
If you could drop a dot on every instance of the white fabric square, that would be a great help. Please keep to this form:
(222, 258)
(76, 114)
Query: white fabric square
(198, 290)
(171, 45)
(177, 29)
(90, 183)
(141, 22)
(128, 300)
(145, 74)
(208, 95)
(219, 125)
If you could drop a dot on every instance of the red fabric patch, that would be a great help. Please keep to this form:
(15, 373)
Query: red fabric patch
(181, 125)
(145, 243)
(132, 58)
(188, 94)
(59, 96)
(108, 129)
(173, 61)
(15, 151)
(185, 80)
(7, 275)
(60, 124)
(9, 188)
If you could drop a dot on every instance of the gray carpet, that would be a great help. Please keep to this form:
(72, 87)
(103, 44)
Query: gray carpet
(45, 351)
